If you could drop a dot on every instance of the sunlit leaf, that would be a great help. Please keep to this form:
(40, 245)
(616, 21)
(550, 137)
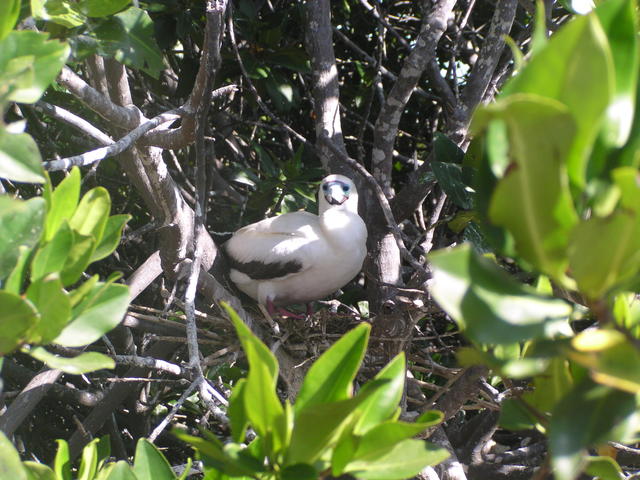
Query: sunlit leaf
(532, 200)
(20, 224)
(330, 377)
(590, 414)
(20, 159)
(53, 305)
(104, 313)
(129, 37)
(490, 306)
(84, 363)
(150, 463)
(29, 63)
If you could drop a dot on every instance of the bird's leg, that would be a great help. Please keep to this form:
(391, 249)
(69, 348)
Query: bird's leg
(273, 310)
(309, 309)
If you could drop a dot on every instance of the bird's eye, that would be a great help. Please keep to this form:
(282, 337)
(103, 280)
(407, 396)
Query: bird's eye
(325, 187)
(345, 188)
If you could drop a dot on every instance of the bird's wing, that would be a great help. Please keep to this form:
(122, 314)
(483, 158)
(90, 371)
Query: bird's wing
(275, 247)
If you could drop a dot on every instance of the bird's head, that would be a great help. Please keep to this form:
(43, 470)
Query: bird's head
(338, 191)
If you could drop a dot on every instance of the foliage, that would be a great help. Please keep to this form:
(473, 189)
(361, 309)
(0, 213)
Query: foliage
(49, 243)
(557, 186)
(329, 429)
(548, 192)
(148, 463)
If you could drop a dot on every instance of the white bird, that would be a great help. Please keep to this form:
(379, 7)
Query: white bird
(299, 257)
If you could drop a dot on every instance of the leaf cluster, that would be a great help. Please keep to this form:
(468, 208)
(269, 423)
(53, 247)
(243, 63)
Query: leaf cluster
(557, 190)
(330, 429)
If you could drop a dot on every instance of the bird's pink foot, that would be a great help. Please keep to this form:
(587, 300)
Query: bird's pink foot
(281, 312)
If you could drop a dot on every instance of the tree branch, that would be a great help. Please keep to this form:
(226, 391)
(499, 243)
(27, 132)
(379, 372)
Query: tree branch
(386, 127)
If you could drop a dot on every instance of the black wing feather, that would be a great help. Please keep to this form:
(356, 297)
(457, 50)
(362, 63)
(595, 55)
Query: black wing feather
(258, 270)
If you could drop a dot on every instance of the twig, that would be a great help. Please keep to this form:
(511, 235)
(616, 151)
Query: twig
(214, 32)
(115, 148)
(153, 364)
(75, 121)
(165, 421)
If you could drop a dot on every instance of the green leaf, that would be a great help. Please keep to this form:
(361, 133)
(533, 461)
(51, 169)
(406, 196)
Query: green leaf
(578, 59)
(63, 203)
(20, 159)
(383, 437)
(490, 306)
(626, 180)
(89, 461)
(103, 313)
(605, 252)
(29, 63)
(514, 415)
(54, 307)
(262, 405)
(80, 294)
(603, 468)
(9, 12)
(150, 463)
(90, 218)
(111, 236)
(611, 359)
(62, 462)
(53, 255)
(102, 8)
(78, 258)
(129, 37)
(16, 278)
(330, 377)
(121, 470)
(589, 415)
(10, 464)
(238, 419)
(406, 459)
(299, 471)
(212, 454)
(319, 425)
(618, 19)
(83, 363)
(450, 178)
(343, 451)
(16, 318)
(381, 405)
(20, 225)
(62, 12)
(551, 386)
(532, 200)
(38, 471)
(539, 36)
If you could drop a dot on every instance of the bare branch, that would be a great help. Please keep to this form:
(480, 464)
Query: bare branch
(482, 72)
(75, 121)
(113, 149)
(153, 364)
(386, 129)
(126, 117)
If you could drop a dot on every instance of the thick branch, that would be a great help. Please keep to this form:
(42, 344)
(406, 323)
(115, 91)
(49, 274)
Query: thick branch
(127, 117)
(386, 128)
(326, 94)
